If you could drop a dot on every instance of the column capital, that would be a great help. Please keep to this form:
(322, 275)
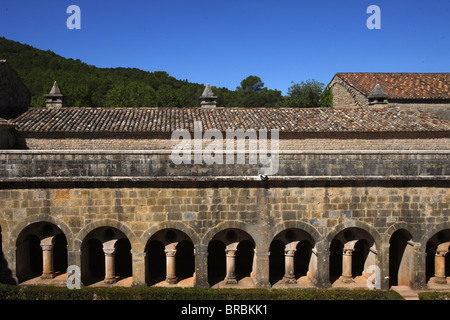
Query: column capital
(47, 247)
(109, 251)
(348, 251)
(230, 252)
(170, 252)
(290, 252)
(47, 243)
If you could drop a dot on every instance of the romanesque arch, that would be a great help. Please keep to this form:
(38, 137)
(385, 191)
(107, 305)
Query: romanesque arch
(124, 229)
(401, 258)
(437, 261)
(175, 225)
(105, 256)
(293, 258)
(169, 257)
(352, 251)
(230, 257)
(41, 251)
(20, 226)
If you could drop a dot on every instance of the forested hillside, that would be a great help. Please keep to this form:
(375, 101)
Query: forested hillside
(88, 86)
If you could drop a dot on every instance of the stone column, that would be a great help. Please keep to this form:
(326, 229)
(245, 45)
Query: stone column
(439, 266)
(47, 258)
(347, 265)
(289, 274)
(171, 275)
(110, 268)
(231, 266)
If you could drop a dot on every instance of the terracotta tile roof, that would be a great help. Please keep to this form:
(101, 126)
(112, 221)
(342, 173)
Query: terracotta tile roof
(166, 120)
(4, 122)
(402, 85)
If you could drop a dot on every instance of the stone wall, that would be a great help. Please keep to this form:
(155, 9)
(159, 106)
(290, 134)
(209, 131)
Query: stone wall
(307, 141)
(321, 194)
(346, 96)
(19, 166)
(321, 211)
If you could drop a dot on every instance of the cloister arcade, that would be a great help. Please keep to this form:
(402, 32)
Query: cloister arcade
(295, 257)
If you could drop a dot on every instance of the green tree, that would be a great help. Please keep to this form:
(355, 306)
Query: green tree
(326, 99)
(305, 94)
(251, 84)
(166, 96)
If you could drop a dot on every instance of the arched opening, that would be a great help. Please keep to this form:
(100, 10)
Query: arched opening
(352, 252)
(291, 258)
(437, 260)
(302, 258)
(156, 262)
(216, 262)
(92, 262)
(105, 256)
(123, 260)
(235, 254)
(401, 255)
(244, 259)
(276, 261)
(360, 254)
(336, 249)
(29, 258)
(60, 254)
(170, 259)
(41, 251)
(185, 260)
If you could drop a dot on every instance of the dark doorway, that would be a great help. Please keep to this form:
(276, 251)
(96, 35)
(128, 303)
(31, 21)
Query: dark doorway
(123, 259)
(216, 262)
(185, 260)
(276, 261)
(156, 262)
(244, 259)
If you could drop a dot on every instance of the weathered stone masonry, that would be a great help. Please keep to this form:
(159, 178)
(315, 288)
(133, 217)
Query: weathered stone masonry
(291, 226)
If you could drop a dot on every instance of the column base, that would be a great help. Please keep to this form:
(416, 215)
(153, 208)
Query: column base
(289, 280)
(50, 275)
(346, 279)
(440, 280)
(231, 281)
(110, 281)
(172, 280)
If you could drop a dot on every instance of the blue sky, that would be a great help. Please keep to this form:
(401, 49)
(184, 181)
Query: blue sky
(222, 42)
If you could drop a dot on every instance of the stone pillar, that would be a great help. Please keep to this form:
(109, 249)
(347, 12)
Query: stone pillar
(110, 268)
(231, 266)
(138, 260)
(439, 266)
(171, 275)
(261, 269)
(289, 274)
(347, 265)
(201, 266)
(47, 258)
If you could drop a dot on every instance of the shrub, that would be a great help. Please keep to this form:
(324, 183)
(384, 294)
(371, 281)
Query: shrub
(9, 292)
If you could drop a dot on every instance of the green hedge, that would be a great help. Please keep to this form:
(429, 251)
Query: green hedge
(8, 292)
(434, 295)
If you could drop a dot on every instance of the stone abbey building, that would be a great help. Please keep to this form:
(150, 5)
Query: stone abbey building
(357, 189)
